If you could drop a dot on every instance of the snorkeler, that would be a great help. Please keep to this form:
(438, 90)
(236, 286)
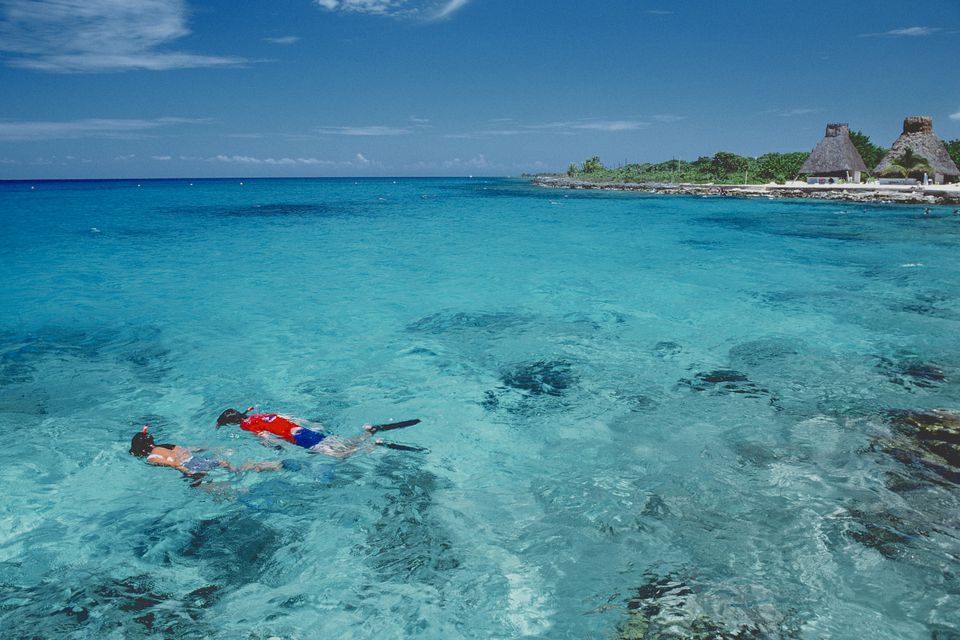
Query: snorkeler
(271, 425)
(183, 460)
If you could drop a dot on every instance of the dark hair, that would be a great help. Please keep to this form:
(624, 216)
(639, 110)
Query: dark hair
(141, 445)
(230, 416)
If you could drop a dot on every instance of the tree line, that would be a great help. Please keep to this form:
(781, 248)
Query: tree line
(728, 168)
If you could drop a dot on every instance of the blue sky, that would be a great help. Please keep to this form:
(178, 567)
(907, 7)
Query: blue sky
(183, 88)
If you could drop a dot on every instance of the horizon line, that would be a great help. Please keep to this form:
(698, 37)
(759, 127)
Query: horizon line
(398, 177)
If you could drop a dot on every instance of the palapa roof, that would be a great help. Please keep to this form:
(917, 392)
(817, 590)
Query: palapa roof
(919, 137)
(834, 154)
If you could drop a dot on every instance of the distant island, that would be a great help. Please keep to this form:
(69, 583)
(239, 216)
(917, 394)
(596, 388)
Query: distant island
(917, 168)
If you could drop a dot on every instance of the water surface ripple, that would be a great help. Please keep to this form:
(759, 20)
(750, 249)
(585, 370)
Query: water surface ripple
(645, 417)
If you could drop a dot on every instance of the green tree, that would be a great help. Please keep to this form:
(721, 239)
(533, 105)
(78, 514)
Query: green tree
(871, 153)
(702, 167)
(572, 169)
(725, 164)
(593, 165)
(909, 164)
(953, 148)
(779, 167)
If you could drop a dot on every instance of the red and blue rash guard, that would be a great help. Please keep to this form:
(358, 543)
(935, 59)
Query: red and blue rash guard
(282, 428)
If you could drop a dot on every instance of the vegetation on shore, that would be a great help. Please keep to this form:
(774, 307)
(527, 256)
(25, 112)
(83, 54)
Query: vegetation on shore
(725, 167)
(722, 168)
(953, 148)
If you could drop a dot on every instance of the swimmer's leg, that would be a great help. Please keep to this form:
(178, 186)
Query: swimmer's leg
(260, 467)
(403, 447)
(337, 447)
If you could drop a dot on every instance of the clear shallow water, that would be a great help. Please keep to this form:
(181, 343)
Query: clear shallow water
(677, 403)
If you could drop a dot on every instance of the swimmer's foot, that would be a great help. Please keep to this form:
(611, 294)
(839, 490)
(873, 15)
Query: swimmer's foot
(374, 428)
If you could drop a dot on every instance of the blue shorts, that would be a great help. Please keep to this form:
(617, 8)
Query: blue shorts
(307, 438)
(200, 465)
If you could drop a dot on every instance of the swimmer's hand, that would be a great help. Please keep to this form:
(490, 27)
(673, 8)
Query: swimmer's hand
(268, 440)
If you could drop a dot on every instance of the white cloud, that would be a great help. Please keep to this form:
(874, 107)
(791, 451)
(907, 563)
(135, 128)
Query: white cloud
(611, 125)
(910, 32)
(378, 7)
(422, 9)
(955, 116)
(359, 161)
(794, 112)
(375, 130)
(566, 128)
(90, 62)
(594, 125)
(98, 35)
(492, 133)
(285, 40)
(162, 158)
(451, 7)
(477, 162)
(236, 159)
(314, 161)
(87, 128)
(668, 118)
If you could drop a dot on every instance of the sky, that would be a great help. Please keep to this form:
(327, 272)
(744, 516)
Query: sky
(184, 88)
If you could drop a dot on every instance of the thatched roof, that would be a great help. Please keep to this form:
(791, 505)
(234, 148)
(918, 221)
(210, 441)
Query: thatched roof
(919, 137)
(834, 154)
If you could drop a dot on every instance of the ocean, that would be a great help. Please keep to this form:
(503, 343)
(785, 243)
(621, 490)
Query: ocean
(642, 416)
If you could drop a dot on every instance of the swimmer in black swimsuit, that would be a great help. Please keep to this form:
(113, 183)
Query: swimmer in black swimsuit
(183, 460)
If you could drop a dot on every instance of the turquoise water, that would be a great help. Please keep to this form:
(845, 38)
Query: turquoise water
(637, 409)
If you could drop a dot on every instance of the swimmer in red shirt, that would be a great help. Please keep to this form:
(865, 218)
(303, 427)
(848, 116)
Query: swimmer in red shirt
(272, 425)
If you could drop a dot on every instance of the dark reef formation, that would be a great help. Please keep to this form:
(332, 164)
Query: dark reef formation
(531, 387)
(672, 608)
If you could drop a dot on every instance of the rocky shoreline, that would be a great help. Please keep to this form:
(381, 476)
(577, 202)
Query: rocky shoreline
(890, 194)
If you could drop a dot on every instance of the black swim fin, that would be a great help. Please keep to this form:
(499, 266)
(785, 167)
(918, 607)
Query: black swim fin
(404, 447)
(393, 425)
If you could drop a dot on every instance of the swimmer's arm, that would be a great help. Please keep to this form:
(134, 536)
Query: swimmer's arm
(259, 467)
(164, 462)
(267, 439)
(223, 464)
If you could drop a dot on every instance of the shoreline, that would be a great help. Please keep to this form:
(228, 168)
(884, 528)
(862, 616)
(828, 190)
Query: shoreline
(887, 194)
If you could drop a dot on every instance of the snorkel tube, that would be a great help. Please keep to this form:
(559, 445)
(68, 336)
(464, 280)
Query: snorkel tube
(142, 443)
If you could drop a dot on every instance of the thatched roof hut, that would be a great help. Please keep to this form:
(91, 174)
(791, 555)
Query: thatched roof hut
(919, 139)
(835, 155)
